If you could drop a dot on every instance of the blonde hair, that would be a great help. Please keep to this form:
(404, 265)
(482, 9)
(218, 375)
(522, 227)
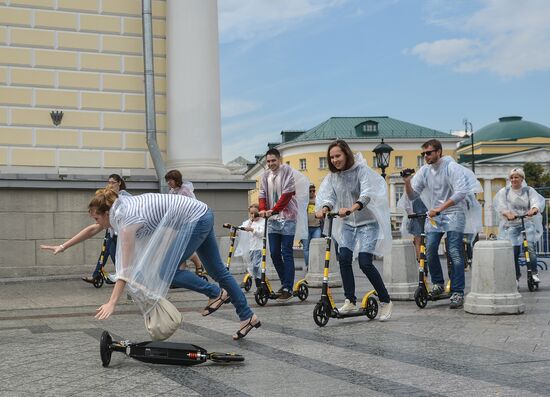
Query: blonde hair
(102, 201)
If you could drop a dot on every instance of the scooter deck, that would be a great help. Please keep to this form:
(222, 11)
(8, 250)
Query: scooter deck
(167, 353)
(355, 313)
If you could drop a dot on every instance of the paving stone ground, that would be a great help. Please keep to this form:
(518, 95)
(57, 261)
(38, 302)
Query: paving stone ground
(49, 343)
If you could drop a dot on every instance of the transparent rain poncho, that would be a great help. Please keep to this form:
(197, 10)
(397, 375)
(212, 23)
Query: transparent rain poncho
(519, 203)
(186, 189)
(287, 180)
(367, 230)
(249, 241)
(153, 233)
(411, 227)
(448, 180)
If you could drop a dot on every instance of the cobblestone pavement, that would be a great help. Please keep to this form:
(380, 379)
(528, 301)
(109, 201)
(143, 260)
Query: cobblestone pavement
(49, 344)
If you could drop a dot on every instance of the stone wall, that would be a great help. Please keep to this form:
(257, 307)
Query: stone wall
(31, 217)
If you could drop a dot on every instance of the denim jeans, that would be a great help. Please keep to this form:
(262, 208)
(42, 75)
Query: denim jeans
(366, 265)
(532, 259)
(312, 232)
(456, 253)
(282, 255)
(203, 242)
(255, 258)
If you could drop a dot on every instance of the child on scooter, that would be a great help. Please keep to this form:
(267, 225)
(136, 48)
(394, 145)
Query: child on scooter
(253, 240)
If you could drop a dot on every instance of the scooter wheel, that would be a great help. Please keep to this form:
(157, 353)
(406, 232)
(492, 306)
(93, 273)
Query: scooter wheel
(248, 284)
(320, 315)
(260, 297)
(372, 307)
(98, 281)
(530, 284)
(303, 292)
(420, 297)
(225, 357)
(105, 348)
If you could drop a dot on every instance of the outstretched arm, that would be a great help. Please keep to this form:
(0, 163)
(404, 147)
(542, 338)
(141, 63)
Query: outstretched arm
(84, 234)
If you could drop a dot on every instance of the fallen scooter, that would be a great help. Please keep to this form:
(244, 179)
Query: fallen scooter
(170, 353)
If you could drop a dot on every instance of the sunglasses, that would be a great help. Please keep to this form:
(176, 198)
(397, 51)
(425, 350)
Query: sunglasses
(427, 152)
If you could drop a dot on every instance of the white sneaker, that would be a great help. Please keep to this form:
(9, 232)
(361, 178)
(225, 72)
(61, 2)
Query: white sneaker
(347, 307)
(385, 311)
(536, 278)
(112, 277)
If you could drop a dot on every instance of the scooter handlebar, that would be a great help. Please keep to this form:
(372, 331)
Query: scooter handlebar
(416, 216)
(337, 214)
(230, 226)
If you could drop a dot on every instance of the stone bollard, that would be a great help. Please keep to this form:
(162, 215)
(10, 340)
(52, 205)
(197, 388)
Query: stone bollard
(401, 270)
(494, 289)
(314, 276)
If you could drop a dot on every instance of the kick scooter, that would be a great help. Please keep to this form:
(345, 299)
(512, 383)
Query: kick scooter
(161, 352)
(247, 280)
(325, 308)
(423, 294)
(531, 283)
(264, 291)
(100, 275)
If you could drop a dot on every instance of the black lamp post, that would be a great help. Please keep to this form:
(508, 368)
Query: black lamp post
(382, 152)
(467, 125)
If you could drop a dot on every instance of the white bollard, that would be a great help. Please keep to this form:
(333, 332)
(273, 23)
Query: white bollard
(494, 289)
(401, 270)
(314, 276)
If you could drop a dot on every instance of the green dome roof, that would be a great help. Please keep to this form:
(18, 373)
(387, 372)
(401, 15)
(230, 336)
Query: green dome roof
(509, 129)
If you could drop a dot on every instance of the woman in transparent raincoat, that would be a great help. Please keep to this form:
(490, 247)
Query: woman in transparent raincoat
(519, 199)
(156, 233)
(352, 186)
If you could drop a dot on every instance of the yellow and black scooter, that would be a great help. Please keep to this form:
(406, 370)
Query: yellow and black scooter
(531, 283)
(247, 280)
(264, 291)
(423, 294)
(325, 308)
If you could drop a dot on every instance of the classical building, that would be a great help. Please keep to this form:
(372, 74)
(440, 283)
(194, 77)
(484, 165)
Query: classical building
(498, 147)
(306, 151)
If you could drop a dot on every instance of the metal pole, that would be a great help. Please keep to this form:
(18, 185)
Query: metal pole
(150, 113)
(473, 158)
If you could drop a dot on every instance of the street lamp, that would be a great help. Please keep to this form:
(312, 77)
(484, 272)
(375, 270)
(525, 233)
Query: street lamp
(466, 125)
(382, 152)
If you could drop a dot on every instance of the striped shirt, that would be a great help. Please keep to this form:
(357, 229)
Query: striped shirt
(150, 209)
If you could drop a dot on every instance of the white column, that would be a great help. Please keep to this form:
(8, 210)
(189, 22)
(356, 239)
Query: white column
(193, 81)
(392, 197)
(488, 197)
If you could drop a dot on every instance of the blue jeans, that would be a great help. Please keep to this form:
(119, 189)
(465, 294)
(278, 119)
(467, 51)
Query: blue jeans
(366, 265)
(312, 232)
(282, 255)
(455, 251)
(203, 242)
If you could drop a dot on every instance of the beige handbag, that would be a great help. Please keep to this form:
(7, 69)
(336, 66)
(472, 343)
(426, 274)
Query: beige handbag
(163, 320)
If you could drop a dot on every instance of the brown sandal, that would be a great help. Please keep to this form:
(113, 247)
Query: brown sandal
(241, 333)
(216, 304)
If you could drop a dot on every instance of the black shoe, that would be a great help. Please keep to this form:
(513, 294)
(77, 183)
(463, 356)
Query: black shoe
(284, 295)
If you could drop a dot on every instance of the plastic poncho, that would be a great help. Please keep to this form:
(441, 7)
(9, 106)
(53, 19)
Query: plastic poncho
(153, 233)
(411, 227)
(249, 241)
(519, 202)
(436, 184)
(186, 189)
(287, 180)
(341, 190)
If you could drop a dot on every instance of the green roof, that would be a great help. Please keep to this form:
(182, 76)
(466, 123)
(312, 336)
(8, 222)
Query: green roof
(381, 127)
(509, 129)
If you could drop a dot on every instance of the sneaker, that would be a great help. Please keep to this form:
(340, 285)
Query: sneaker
(457, 300)
(284, 295)
(111, 278)
(347, 307)
(437, 290)
(536, 278)
(385, 310)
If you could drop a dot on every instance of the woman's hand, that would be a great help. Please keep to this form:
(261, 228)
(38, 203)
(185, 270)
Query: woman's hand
(509, 215)
(343, 212)
(104, 311)
(533, 211)
(54, 248)
(321, 213)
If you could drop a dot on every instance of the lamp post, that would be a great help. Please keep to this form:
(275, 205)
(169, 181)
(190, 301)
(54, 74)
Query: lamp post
(467, 125)
(382, 152)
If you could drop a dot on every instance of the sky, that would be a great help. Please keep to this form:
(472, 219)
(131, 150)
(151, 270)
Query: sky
(292, 64)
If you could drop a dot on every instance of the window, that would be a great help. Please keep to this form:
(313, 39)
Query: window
(399, 190)
(398, 161)
(323, 163)
(371, 127)
(303, 164)
(374, 162)
(419, 161)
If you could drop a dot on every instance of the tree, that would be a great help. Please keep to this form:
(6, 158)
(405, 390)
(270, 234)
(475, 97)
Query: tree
(536, 176)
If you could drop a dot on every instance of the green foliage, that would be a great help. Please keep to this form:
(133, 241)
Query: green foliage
(538, 177)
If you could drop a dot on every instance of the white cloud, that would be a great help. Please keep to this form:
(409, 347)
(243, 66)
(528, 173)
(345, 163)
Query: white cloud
(237, 107)
(257, 19)
(505, 37)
